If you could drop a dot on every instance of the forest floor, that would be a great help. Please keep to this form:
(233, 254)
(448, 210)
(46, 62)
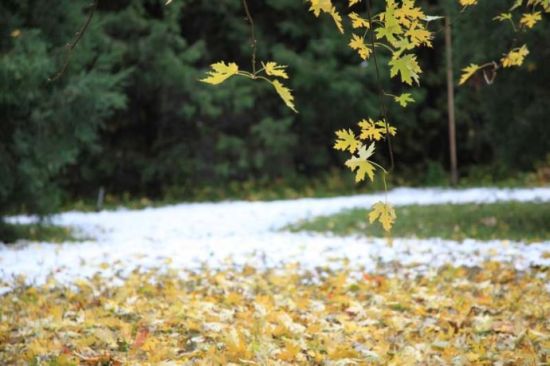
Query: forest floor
(226, 282)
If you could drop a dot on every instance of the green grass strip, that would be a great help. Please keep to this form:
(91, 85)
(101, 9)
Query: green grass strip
(10, 233)
(529, 222)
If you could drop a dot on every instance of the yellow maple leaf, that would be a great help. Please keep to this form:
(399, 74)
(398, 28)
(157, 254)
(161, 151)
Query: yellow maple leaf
(337, 19)
(503, 17)
(515, 57)
(391, 25)
(346, 141)
(271, 68)
(357, 21)
(407, 67)
(325, 6)
(384, 213)
(408, 13)
(362, 163)
(544, 4)
(236, 344)
(467, 2)
(517, 4)
(318, 6)
(419, 35)
(220, 72)
(289, 352)
(285, 94)
(358, 43)
(371, 130)
(530, 19)
(403, 100)
(467, 73)
(353, 2)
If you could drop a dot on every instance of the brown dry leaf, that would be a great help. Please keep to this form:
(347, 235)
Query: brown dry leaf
(141, 336)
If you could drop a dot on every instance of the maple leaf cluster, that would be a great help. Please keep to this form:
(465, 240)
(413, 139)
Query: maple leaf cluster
(528, 19)
(400, 29)
(362, 148)
(402, 25)
(221, 71)
(493, 315)
(363, 144)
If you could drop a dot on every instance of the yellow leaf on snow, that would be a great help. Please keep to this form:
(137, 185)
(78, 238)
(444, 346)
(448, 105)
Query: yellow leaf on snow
(236, 345)
(285, 94)
(384, 213)
(340, 326)
(346, 141)
(467, 73)
(220, 72)
(362, 164)
(271, 68)
(289, 352)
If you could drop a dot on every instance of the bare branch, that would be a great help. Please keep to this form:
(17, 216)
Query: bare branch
(381, 92)
(69, 47)
(252, 35)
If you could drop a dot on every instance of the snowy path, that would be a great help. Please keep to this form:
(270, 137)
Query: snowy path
(187, 235)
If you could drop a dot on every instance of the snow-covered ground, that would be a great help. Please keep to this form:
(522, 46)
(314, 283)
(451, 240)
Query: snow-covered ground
(188, 235)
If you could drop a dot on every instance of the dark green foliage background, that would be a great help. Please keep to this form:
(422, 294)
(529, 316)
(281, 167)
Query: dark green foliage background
(130, 115)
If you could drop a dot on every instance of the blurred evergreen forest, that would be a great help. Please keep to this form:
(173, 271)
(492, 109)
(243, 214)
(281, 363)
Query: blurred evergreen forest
(130, 115)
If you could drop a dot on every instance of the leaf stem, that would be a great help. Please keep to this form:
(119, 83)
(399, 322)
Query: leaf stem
(380, 88)
(252, 76)
(379, 166)
(247, 74)
(513, 25)
(385, 46)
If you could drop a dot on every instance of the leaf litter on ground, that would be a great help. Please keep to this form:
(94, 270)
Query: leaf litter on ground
(487, 315)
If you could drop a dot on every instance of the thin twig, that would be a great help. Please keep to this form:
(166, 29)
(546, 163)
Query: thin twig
(381, 93)
(451, 22)
(252, 35)
(69, 47)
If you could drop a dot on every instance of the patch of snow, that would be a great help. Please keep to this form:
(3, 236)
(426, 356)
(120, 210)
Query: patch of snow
(188, 235)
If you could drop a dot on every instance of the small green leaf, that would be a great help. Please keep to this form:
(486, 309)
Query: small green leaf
(404, 99)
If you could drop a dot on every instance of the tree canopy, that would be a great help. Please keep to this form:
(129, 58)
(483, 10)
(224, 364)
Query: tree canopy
(130, 114)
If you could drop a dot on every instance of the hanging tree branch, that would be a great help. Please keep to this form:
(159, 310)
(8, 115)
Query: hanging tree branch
(381, 93)
(252, 35)
(69, 47)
